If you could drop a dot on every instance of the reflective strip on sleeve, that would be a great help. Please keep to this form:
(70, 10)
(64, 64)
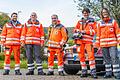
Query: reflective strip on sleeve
(107, 39)
(12, 39)
(34, 38)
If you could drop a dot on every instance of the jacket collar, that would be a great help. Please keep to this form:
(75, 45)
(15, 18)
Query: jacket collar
(30, 22)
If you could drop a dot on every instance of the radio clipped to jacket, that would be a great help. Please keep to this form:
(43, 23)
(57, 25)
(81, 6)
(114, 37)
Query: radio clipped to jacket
(77, 35)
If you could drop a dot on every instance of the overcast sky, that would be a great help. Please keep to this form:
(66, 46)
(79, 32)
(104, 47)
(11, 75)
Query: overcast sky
(65, 9)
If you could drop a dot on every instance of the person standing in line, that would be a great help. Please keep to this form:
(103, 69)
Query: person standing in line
(57, 37)
(83, 35)
(32, 38)
(108, 36)
(10, 38)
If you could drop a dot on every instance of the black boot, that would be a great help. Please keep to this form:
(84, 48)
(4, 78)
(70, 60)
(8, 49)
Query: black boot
(107, 76)
(41, 73)
(94, 76)
(61, 73)
(84, 73)
(117, 77)
(6, 72)
(93, 73)
(50, 73)
(30, 73)
(17, 72)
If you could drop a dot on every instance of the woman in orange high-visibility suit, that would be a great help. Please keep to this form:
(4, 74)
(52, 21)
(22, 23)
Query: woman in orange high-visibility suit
(10, 38)
(57, 38)
(108, 36)
(86, 26)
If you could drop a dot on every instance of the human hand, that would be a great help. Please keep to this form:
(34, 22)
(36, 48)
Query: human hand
(83, 31)
(41, 45)
(22, 44)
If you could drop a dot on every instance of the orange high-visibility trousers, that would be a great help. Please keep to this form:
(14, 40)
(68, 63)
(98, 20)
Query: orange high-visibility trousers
(90, 51)
(51, 55)
(8, 51)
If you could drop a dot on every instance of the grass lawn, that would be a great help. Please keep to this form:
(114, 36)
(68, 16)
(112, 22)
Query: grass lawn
(24, 64)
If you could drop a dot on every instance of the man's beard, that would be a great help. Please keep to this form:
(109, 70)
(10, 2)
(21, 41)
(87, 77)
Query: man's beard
(54, 23)
(14, 20)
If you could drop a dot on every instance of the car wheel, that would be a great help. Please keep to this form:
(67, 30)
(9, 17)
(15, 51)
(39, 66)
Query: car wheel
(70, 69)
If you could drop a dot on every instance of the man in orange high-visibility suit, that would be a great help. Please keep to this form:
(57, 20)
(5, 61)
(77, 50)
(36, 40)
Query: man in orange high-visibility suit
(108, 36)
(57, 38)
(10, 38)
(32, 37)
(86, 27)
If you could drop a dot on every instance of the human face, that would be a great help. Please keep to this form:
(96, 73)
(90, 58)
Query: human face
(33, 16)
(85, 14)
(14, 17)
(54, 19)
(105, 14)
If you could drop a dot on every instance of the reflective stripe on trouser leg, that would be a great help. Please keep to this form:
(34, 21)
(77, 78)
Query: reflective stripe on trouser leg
(92, 64)
(7, 51)
(92, 67)
(60, 60)
(29, 55)
(60, 68)
(17, 66)
(116, 68)
(108, 68)
(83, 65)
(82, 56)
(39, 67)
(50, 68)
(107, 59)
(31, 67)
(115, 61)
(37, 52)
(6, 66)
(91, 56)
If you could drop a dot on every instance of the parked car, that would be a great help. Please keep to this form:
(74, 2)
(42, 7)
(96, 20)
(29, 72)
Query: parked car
(72, 61)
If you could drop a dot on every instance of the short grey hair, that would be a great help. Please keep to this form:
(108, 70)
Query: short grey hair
(55, 15)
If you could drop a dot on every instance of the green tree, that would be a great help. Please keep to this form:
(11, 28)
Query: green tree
(3, 18)
(114, 8)
(93, 5)
(96, 5)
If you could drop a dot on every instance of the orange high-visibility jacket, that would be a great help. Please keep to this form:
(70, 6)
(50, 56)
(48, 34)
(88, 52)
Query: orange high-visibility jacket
(57, 36)
(11, 34)
(32, 33)
(108, 33)
(90, 29)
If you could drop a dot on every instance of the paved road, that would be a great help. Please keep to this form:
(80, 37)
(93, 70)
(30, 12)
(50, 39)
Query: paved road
(36, 77)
